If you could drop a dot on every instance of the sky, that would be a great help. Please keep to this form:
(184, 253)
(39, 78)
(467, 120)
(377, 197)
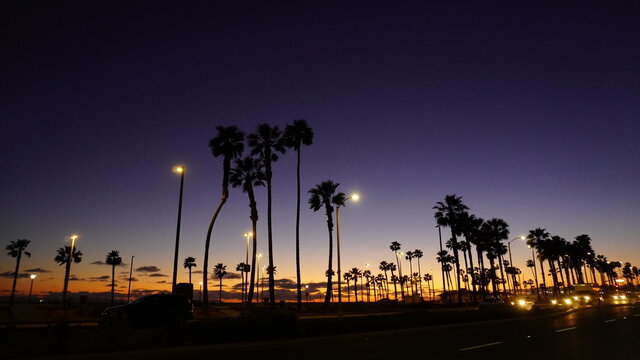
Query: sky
(529, 111)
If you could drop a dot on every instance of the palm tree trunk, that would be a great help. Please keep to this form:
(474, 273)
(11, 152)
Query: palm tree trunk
(400, 277)
(113, 282)
(298, 277)
(355, 288)
(220, 292)
(504, 289)
(481, 275)
(473, 283)
(15, 277)
(420, 277)
(272, 294)
(254, 228)
(456, 257)
(207, 243)
(544, 280)
(327, 297)
(411, 276)
(466, 266)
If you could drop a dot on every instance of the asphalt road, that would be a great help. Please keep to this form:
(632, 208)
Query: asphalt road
(593, 333)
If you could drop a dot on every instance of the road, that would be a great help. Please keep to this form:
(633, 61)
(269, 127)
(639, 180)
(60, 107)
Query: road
(593, 333)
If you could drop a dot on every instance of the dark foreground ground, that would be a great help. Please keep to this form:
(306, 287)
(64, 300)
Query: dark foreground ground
(588, 333)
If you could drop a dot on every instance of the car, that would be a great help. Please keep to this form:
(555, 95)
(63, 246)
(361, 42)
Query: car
(522, 304)
(491, 303)
(157, 309)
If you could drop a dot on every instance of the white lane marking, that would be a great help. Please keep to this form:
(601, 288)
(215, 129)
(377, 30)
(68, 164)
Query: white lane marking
(636, 315)
(610, 320)
(566, 329)
(480, 346)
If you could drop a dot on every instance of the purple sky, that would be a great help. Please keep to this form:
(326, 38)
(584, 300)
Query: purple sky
(530, 113)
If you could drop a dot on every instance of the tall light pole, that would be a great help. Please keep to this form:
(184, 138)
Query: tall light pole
(68, 271)
(259, 281)
(200, 292)
(354, 197)
(306, 287)
(444, 284)
(513, 276)
(178, 170)
(535, 272)
(246, 261)
(33, 276)
(130, 275)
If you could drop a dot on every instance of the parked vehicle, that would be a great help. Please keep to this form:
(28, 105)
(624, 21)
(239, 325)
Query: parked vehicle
(158, 309)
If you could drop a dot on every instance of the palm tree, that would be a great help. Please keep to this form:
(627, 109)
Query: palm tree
(395, 246)
(266, 143)
(229, 142)
(248, 173)
(16, 249)
(64, 257)
(409, 256)
(355, 274)
(220, 271)
(384, 267)
(417, 253)
(190, 262)
(394, 279)
(447, 214)
(534, 240)
(347, 277)
(113, 258)
(295, 135)
(497, 231)
(241, 268)
(324, 195)
(367, 274)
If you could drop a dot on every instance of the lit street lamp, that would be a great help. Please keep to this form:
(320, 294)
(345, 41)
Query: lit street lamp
(130, 275)
(33, 276)
(246, 261)
(306, 287)
(200, 292)
(178, 170)
(354, 197)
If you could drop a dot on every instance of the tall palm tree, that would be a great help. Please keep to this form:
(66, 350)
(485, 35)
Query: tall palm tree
(189, 262)
(535, 240)
(447, 214)
(247, 173)
(417, 253)
(409, 256)
(241, 268)
(324, 195)
(295, 135)
(347, 277)
(394, 279)
(468, 223)
(267, 142)
(384, 267)
(220, 271)
(64, 257)
(367, 274)
(395, 246)
(113, 258)
(16, 249)
(355, 274)
(228, 143)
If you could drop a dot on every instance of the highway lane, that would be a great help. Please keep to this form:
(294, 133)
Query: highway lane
(594, 333)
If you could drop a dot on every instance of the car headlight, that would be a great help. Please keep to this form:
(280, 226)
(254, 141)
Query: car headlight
(522, 302)
(622, 297)
(615, 297)
(587, 298)
(554, 301)
(575, 298)
(567, 301)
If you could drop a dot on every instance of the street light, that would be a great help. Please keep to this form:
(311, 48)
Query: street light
(354, 197)
(246, 262)
(178, 170)
(68, 271)
(200, 292)
(306, 287)
(258, 274)
(33, 276)
(130, 275)
(522, 237)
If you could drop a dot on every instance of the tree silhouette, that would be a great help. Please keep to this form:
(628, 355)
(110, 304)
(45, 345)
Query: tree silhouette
(113, 258)
(16, 249)
(190, 262)
(220, 271)
(64, 257)
(324, 195)
(295, 135)
(248, 173)
(395, 246)
(228, 143)
(266, 143)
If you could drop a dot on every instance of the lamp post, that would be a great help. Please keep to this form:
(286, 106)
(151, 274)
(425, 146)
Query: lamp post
(68, 271)
(33, 276)
(246, 261)
(535, 272)
(354, 197)
(130, 275)
(513, 276)
(178, 170)
(444, 284)
(258, 275)
(200, 292)
(306, 288)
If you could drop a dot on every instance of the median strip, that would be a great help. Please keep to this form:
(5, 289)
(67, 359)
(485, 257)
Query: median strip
(566, 329)
(480, 346)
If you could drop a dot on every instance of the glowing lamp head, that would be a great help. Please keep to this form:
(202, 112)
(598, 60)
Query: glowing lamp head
(523, 237)
(522, 302)
(200, 283)
(355, 197)
(74, 237)
(306, 286)
(178, 169)
(33, 276)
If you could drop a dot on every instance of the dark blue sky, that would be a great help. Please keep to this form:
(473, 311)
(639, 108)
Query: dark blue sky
(530, 112)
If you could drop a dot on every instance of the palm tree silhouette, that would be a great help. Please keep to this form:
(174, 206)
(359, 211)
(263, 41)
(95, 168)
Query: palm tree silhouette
(324, 195)
(113, 258)
(64, 257)
(220, 271)
(248, 173)
(367, 275)
(190, 262)
(409, 256)
(295, 135)
(355, 274)
(266, 143)
(418, 254)
(16, 249)
(395, 246)
(229, 142)
(394, 279)
(447, 214)
(535, 239)
(347, 277)
(384, 267)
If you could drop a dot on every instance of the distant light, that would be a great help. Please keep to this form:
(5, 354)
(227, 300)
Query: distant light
(178, 169)
(619, 280)
(33, 276)
(306, 286)
(355, 197)
(200, 282)
(522, 237)
(74, 237)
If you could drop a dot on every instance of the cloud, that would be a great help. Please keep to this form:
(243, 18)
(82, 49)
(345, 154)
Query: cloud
(148, 269)
(9, 274)
(162, 282)
(158, 275)
(230, 276)
(75, 278)
(100, 278)
(197, 272)
(37, 270)
(98, 262)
